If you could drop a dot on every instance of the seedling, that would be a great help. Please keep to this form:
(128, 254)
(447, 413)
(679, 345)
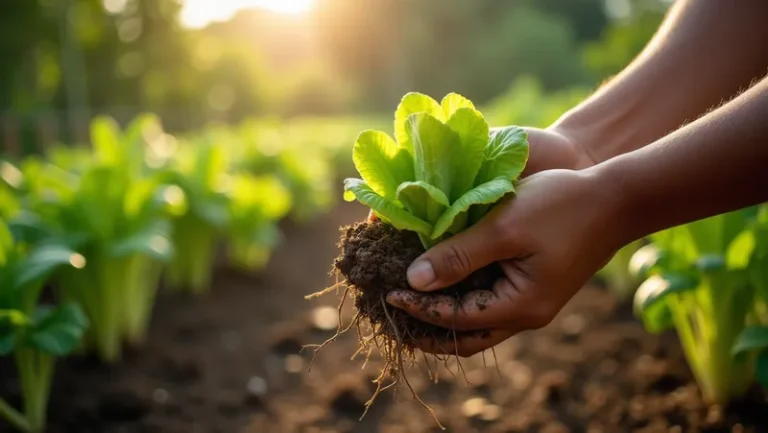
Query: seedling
(35, 334)
(442, 173)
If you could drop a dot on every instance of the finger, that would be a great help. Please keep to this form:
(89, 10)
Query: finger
(465, 345)
(457, 257)
(482, 309)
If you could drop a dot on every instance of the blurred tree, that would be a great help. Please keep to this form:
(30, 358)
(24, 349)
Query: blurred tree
(125, 56)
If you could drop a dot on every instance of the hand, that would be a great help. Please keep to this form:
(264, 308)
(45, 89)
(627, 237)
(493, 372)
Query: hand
(552, 148)
(549, 240)
(549, 149)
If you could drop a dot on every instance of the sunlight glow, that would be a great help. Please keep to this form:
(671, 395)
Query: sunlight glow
(199, 13)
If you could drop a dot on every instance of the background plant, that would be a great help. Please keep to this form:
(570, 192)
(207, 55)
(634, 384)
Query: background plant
(707, 281)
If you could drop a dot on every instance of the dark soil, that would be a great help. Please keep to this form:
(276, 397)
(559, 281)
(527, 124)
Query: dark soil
(233, 363)
(373, 262)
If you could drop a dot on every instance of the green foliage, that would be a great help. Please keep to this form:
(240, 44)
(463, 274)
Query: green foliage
(618, 274)
(444, 171)
(34, 334)
(707, 280)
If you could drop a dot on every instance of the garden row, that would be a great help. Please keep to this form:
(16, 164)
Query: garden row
(88, 234)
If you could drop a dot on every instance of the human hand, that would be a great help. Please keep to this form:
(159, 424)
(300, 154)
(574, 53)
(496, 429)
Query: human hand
(549, 240)
(550, 149)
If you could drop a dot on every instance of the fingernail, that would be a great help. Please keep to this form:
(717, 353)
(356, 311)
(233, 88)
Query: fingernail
(421, 274)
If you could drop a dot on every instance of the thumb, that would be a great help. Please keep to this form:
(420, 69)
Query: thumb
(456, 258)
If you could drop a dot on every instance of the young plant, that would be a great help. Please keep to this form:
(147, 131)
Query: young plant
(113, 211)
(708, 280)
(199, 174)
(256, 204)
(34, 334)
(442, 173)
(289, 152)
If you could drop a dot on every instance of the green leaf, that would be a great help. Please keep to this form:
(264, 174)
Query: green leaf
(422, 200)
(713, 235)
(740, 250)
(710, 263)
(678, 242)
(29, 227)
(650, 302)
(42, 261)
(152, 241)
(400, 218)
(505, 155)
(10, 323)
(646, 260)
(413, 103)
(487, 193)
(435, 147)
(6, 243)
(58, 331)
(212, 210)
(452, 102)
(105, 139)
(381, 163)
(472, 130)
(751, 338)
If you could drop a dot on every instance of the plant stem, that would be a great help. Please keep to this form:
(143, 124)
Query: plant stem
(708, 321)
(144, 277)
(35, 372)
(194, 243)
(14, 417)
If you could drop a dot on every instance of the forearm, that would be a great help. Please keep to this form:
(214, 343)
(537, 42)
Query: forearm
(705, 52)
(714, 165)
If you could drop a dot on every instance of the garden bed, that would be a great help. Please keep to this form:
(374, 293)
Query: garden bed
(231, 363)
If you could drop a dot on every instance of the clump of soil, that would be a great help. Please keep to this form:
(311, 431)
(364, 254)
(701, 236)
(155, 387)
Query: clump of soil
(373, 262)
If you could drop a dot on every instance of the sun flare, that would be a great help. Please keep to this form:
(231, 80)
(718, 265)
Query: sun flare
(199, 13)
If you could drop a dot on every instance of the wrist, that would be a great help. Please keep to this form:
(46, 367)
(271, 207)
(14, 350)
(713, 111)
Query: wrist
(602, 129)
(616, 201)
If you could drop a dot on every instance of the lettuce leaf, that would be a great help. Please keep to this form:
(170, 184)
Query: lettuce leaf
(443, 171)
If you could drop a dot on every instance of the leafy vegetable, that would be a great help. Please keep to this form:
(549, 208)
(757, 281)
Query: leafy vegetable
(110, 209)
(706, 279)
(443, 173)
(33, 333)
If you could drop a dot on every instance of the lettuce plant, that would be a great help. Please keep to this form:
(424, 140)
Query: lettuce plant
(34, 334)
(290, 152)
(255, 206)
(200, 174)
(708, 280)
(443, 170)
(113, 211)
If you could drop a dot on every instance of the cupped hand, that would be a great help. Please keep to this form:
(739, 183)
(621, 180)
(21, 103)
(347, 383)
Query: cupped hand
(549, 240)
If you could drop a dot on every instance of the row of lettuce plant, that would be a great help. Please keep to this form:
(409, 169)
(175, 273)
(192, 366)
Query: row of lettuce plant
(708, 280)
(95, 231)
